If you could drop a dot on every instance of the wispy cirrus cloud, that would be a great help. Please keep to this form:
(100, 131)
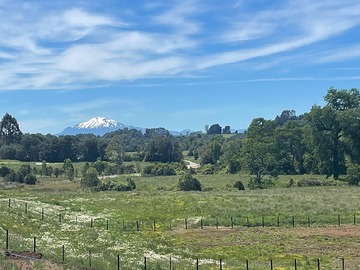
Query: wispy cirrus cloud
(62, 46)
(73, 24)
(305, 23)
(338, 55)
(181, 17)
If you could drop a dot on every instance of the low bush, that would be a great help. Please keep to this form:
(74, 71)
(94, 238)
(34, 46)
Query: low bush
(265, 183)
(187, 183)
(239, 185)
(4, 171)
(159, 169)
(317, 183)
(111, 186)
(353, 174)
(30, 179)
(90, 179)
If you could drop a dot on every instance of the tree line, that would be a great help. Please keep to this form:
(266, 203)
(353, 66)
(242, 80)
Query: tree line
(324, 140)
(156, 144)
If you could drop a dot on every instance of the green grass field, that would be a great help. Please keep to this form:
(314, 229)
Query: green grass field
(299, 224)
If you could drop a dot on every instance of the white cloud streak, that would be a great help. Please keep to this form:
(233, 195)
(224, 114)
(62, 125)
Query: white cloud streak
(71, 47)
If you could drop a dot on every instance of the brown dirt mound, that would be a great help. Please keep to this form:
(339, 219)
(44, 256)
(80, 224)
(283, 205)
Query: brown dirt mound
(25, 260)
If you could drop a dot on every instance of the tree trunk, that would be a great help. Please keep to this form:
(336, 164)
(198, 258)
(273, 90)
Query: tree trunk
(336, 165)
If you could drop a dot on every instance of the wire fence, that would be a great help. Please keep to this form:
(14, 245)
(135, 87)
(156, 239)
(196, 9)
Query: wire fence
(95, 260)
(30, 247)
(57, 216)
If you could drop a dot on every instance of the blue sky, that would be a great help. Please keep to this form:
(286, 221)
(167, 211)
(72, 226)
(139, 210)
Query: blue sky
(175, 64)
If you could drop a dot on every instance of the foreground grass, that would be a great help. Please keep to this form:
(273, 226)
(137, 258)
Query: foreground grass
(105, 224)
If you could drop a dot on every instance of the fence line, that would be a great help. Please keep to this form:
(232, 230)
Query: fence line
(61, 216)
(148, 261)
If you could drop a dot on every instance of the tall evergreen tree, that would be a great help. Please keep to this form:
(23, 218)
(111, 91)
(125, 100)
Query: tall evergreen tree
(9, 130)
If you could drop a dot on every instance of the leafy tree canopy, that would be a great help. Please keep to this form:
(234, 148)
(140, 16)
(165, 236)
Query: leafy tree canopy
(9, 130)
(214, 129)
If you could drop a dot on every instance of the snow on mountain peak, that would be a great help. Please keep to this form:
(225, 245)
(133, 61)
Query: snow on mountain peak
(98, 122)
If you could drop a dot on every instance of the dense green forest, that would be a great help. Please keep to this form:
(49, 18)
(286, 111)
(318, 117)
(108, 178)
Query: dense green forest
(325, 140)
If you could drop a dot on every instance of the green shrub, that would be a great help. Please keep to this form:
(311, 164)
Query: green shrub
(159, 169)
(30, 179)
(239, 185)
(291, 182)
(207, 169)
(131, 183)
(10, 177)
(317, 183)
(309, 183)
(4, 171)
(90, 179)
(187, 183)
(108, 186)
(353, 174)
(20, 178)
(265, 183)
(128, 169)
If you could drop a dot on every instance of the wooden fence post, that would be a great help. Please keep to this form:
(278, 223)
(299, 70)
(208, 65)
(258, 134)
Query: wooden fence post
(217, 223)
(118, 262)
(144, 263)
(343, 264)
(186, 225)
(354, 219)
(263, 221)
(154, 225)
(339, 220)
(278, 221)
(63, 253)
(309, 221)
(170, 262)
(201, 223)
(232, 223)
(137, 226)
(247, 222)
(9, 203)
(7, 240)
(107, 224)
(90, 258)
(220, 264)
(271, 265)
(318, 263)
(295, 265)
(197, 264)
(26, 206)
(34, 244)
(293, 221)
(42, 214)
(247, 264)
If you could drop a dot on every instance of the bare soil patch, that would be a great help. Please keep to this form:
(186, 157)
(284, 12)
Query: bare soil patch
(25, 260)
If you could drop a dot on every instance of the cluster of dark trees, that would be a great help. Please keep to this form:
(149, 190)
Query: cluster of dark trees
(23, 175)
(155, 144)
(325, 140)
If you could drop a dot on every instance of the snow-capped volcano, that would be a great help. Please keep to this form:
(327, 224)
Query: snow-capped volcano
(96, 125)
(100, 125)
(99, 122)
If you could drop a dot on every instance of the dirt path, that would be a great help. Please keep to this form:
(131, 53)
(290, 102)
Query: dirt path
(192, 165)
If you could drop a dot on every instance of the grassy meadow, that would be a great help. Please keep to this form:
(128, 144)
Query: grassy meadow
(158, 222)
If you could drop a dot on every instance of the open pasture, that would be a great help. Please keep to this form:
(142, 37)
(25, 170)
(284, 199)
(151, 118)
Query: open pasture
(157, 222)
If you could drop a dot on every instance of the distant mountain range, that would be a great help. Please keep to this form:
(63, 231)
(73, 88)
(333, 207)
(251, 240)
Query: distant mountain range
(101, 125)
